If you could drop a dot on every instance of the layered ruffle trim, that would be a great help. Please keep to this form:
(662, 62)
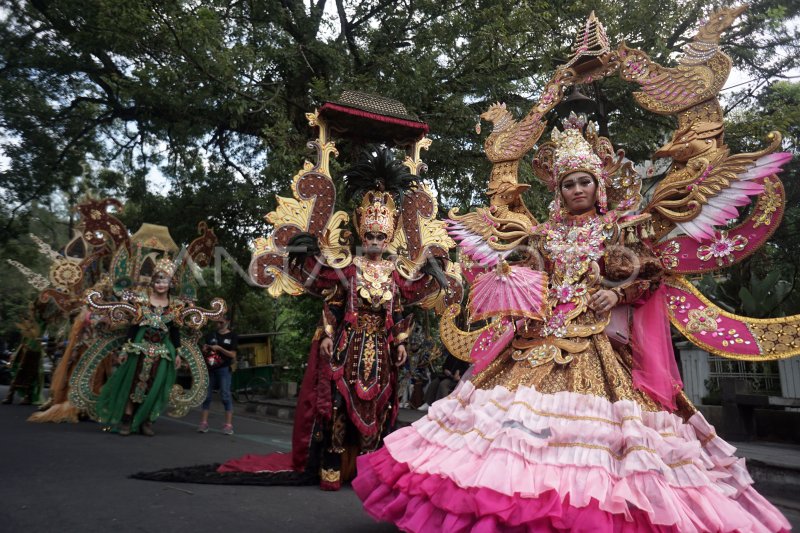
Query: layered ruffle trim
(431, 504)
(583, 451)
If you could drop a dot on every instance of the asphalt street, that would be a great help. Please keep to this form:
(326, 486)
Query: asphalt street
(74, 477)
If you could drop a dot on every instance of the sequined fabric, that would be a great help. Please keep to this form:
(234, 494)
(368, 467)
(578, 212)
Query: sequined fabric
(576, 250)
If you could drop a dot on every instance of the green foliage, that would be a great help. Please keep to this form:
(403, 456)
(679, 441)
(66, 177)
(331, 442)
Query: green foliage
(297, 321)
(16, 294)
(210, 97)
(764, 295)
(219, 90)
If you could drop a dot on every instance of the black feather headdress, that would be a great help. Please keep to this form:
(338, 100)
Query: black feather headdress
(378, 170)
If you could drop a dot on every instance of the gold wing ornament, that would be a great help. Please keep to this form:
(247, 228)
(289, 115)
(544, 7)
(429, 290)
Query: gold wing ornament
(421, 236)
(705, 185)
(689, 91)
(458, 342)
(687, 222)
(80, 263)
(310, 210)
(486, 239)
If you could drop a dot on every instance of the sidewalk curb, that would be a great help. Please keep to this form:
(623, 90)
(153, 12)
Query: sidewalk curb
(776, 479)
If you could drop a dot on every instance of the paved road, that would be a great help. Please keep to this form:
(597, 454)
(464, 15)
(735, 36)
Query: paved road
(73, 477)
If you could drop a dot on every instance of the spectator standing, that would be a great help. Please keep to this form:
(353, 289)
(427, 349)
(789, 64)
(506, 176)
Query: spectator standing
(220, 353)
(440, 386)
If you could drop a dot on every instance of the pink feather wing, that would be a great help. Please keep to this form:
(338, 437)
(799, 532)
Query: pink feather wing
(474, 245)
(720, 208)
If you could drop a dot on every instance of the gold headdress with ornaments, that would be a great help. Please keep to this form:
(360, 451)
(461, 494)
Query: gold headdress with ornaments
(165, 266)
(377, 214)
(573, 153)
(579, 148)
(382, 182)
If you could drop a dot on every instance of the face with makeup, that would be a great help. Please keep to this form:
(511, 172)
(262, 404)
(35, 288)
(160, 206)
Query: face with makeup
(160, 284)
(579, 191)
(374, 243)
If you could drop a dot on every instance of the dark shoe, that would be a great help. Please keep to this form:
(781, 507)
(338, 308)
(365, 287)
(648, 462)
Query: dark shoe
(26, 401)
(125, 429)
(147, 429)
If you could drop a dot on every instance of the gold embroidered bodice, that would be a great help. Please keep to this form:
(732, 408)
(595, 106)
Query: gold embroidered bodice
(374, 282)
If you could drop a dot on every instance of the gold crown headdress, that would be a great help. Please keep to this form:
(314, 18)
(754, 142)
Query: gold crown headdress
(377, 214)
(380, 178)
(573, 153)
(567, 153)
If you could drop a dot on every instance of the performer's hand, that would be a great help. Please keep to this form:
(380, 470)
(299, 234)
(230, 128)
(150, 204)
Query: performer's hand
(603, 301)
(402, 355)
(178, 361)
(326, 346)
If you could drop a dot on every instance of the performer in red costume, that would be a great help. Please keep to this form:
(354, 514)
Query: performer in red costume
(348, 400)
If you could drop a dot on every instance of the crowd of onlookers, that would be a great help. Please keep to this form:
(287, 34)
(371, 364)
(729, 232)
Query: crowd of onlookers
(429, 374)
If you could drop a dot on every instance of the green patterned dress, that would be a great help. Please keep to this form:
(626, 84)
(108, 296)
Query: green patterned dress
(148, 371)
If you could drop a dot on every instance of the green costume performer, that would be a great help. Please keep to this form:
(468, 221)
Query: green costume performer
(156, 344)
(139, 390)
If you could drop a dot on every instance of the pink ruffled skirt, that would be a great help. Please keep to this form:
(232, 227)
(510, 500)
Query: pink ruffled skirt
(495, 460)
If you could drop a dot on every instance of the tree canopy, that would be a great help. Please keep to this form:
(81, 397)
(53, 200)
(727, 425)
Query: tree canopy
(211, 96)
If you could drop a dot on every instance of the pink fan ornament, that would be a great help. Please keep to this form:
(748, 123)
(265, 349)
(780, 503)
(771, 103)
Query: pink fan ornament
(510, 291)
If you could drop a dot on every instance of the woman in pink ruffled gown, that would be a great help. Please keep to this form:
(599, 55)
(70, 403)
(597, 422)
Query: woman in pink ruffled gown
(564, 431)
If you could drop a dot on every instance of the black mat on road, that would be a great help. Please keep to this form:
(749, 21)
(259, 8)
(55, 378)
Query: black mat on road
(208, 475)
